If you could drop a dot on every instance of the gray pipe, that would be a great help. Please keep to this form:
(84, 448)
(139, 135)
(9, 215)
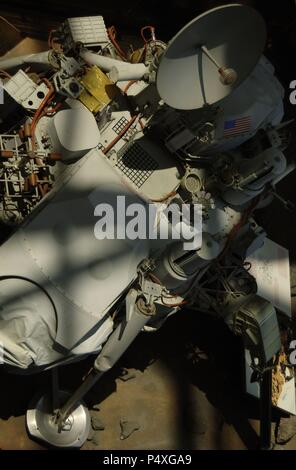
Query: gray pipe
(39, 58)
(120, 70)
(116, 345)
(119, 341)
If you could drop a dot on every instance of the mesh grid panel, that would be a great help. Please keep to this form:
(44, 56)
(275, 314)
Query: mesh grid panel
(120, 125)
(136, 164)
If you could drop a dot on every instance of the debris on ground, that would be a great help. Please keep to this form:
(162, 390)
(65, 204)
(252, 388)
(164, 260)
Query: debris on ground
(127, 428)
(127, 374)
(286, 430)
(95, 440)
(91, 435)
(95, 408)
(194, 354)
(278, 447)
(97, 424)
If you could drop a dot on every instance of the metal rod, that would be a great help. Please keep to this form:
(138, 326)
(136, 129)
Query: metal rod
(115, 346)
(209, 55)
(228, 76)
(79, 393)
(55, 389)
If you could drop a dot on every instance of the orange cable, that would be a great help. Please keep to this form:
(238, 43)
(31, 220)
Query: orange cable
(233, 232)
(122, 133)
(152, 29)
(172, 193)
(6, 74)
(49, 40)
(40, 111)
(130, 83)
(112, 36)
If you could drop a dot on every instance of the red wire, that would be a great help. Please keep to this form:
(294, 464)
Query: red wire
(183, 302)
(40, 111)
(49, 40)
(112, 35)
(5, 74)
(152, 29)
(233, 232)
(122, 133)
(130, 83)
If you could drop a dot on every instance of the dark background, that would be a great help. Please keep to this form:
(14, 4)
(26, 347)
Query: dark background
(217, 375)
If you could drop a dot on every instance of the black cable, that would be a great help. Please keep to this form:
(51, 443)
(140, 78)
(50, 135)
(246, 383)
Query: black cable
(23, 278)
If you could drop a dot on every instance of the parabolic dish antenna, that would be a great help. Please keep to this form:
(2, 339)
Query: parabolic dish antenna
(211, 56)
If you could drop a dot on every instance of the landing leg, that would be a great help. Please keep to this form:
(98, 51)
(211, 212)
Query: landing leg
(42, 423)
(60, 419)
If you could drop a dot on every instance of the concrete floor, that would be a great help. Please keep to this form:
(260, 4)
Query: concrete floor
(178, 402)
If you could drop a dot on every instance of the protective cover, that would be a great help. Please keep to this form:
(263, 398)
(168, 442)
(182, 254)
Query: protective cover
(57, 281)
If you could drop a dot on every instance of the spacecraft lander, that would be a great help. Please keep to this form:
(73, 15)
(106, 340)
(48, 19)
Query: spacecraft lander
(197, 122)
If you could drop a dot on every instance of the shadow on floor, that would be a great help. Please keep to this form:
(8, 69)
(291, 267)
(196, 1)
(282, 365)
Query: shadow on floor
(204, 360)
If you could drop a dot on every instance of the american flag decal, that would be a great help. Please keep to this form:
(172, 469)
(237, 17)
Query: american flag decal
(237, 126)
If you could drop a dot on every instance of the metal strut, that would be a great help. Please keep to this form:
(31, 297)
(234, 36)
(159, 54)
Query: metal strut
(116, 345)
(266, 407)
